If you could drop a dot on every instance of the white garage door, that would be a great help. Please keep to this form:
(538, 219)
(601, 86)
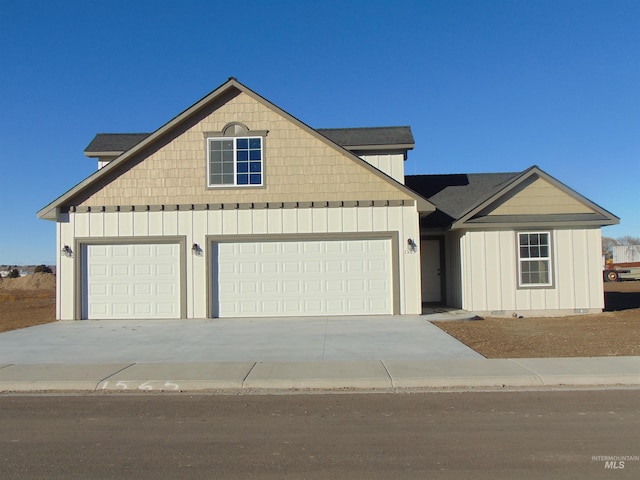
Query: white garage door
(131, 281)
(341, 277)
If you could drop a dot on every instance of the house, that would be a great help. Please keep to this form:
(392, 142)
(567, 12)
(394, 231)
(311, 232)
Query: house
(510, 244)
(235, 208)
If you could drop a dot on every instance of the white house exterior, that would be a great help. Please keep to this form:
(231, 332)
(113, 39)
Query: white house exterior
(320, 232)
(511, 244)
(235, 208)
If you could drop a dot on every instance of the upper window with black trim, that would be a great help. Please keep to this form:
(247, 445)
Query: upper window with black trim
(235, 161)
(534, 259)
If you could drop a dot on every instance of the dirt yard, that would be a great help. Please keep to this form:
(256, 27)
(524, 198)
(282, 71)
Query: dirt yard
(613, 332)
(30, 300)
(27, 301)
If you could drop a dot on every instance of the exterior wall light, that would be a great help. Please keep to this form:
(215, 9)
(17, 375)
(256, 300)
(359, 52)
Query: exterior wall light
(196, 250)
(66, 251)
(411, 246)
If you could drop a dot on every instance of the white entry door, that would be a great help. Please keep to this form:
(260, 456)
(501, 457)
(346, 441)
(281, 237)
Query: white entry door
(123, 281)
(287, 278)
(431, 271)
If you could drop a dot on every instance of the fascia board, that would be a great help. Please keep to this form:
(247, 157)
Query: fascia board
(534, 224)
(390, 146)
(114, 153)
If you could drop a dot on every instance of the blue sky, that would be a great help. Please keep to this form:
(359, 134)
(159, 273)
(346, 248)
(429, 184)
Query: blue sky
(486, 86)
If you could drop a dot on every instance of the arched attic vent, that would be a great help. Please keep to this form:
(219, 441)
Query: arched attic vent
(235, 129)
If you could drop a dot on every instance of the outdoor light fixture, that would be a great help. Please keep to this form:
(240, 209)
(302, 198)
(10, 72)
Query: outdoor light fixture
(195, 249)
(66, 251)
(411, 245)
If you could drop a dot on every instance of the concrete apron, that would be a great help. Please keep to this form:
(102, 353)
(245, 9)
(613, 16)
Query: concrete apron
(291, 339)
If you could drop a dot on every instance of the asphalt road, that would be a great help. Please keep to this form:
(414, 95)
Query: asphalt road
(342, 436)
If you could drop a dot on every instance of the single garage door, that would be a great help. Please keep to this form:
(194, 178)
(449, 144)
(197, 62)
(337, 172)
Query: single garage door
(131, 281)
(286, 278)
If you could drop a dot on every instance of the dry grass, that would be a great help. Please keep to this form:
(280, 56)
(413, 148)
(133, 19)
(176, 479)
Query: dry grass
(25, 308)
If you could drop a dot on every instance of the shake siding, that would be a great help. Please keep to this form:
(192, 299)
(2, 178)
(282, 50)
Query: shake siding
(298, 167)
(540, 197)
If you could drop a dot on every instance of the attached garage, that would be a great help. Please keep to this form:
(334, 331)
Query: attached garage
(131, 281)
(351, 276)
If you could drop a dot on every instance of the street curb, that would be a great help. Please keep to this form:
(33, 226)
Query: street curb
(334, 375)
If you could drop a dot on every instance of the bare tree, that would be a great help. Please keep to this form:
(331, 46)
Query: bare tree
(628, 240)
(608, 243)
(607, 247)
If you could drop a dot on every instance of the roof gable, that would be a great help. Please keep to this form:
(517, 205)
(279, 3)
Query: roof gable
(225, 103)
(505, 200)
(536, 196)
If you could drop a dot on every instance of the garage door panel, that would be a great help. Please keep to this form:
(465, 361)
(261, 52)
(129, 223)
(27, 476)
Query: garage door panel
(121, 309)
(121, 270)
(97, 309)
(303, 277)
(268, 268)
(167, 309)
(119, 289)
(132, 281)
(120, 251)
(145, 309)
(166, 289)
(270, 287)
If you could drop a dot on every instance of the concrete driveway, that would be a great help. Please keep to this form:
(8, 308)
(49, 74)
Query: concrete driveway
(232, 340)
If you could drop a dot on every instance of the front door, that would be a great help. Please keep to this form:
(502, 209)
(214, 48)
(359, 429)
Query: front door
(432, 270)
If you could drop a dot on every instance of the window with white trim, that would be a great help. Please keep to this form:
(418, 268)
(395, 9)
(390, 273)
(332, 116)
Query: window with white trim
(534, 259)
(235, 162)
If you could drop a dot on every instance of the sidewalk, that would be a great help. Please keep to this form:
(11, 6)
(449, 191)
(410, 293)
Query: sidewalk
(322, 375)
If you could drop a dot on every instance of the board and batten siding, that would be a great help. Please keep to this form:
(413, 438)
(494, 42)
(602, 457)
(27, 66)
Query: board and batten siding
(489, 281)
(195, 225)
(391, 163)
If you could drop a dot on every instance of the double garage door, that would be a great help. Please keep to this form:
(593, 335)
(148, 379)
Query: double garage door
(330, 277)
(248, 279)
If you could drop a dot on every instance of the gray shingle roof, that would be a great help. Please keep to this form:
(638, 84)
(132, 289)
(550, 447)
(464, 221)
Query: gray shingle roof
(369, 136)
(456, 194)
(345, 137)
(114, 142)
